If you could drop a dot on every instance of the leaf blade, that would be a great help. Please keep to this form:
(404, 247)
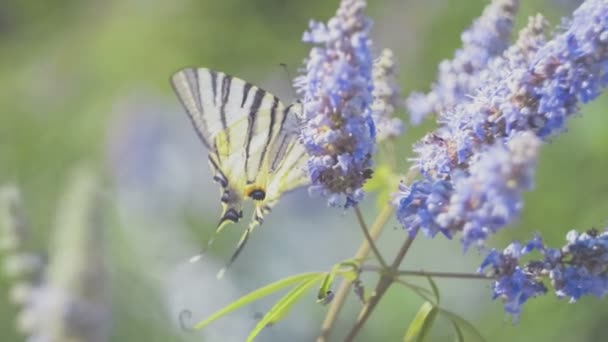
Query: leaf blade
(422, 323)
(282, 307)
(256, 295)
(462, 322)
(435, 290)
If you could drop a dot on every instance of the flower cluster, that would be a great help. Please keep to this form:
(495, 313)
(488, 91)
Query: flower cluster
(69, 301)
(387, 97)
(339, 132)
(579, 268)
(22, 267)
(534, 89)
(459, 78)
(479, 202)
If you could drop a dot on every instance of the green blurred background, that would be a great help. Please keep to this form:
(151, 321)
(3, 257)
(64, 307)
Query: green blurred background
(87, 82)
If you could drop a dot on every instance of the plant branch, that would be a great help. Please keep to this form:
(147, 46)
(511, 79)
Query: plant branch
(422, 273)
(345, 286)
(383, 285)
(368, 237)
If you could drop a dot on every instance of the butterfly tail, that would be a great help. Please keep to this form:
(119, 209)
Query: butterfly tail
(258, 218)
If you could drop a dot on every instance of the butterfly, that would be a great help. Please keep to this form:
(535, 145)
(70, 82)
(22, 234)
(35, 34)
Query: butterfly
(253, 143)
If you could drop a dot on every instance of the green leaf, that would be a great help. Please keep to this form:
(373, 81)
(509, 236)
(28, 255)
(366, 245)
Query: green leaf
(325, 288)
(258, 294)
(459, 335)
(422, 323)
(435, 290)
(282, 307)
(348, 269)
(419, 290)
(463, 323)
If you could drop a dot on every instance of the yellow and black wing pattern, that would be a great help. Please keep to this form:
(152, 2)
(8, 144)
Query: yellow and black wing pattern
(252, 138)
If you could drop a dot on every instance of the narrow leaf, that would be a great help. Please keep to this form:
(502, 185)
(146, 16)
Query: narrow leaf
(435, 290)
(348, 269)
(325, 288)
(459, 335)
(282, 307)
(419, 290)
(463, 323)
(422, 323)
(258, 294)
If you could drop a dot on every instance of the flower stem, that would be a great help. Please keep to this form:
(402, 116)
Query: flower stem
(368, 237)
(422, 273)
(383, 284)
(345, 286)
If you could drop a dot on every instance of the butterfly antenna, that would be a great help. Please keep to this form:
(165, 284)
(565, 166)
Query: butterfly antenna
(289, 79)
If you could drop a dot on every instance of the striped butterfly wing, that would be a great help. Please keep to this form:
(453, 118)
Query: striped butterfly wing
(252, 138)
(236, 121)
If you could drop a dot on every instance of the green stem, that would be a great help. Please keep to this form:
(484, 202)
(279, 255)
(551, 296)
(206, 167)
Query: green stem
(455, 275)
(383, 285)
(344, 289)
(368, 237)
(422, 273)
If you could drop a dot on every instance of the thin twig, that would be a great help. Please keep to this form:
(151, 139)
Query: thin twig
(345, 286)
(383, 284)
(422, 273)
(370, 240)
(454, 275)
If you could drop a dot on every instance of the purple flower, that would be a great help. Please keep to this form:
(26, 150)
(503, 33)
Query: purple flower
(476, 203)
(339, 131)
(583, 267)
(514, 284)
(536, 86)
(387, 97)
(458, 78)
(577, 269)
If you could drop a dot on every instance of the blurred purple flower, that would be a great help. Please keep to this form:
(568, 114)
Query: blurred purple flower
(459, 78)
(387, 97)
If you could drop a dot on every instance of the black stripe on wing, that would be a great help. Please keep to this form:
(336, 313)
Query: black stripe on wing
(225, 94)
(246, 89)
(283, 144)
(213, 75)
(273, 116)
(219, 175)
(251, 123)
(189, 94)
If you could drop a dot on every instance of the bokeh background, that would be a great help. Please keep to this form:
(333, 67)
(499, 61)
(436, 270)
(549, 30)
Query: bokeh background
(86, 82)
